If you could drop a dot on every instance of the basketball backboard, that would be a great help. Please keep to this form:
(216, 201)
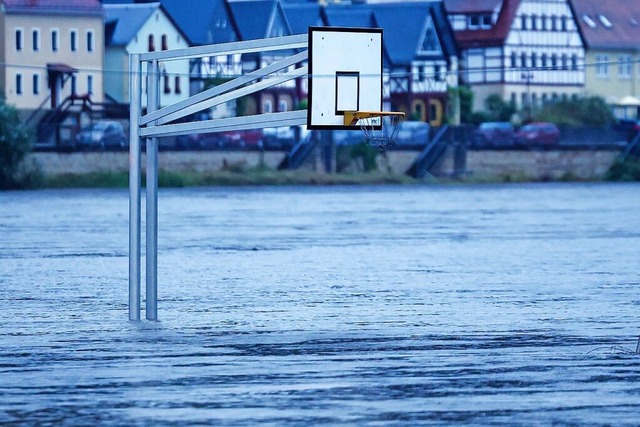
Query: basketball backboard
(345, 74)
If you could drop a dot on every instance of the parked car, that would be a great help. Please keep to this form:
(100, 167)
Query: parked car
(200, 141)
(251, 138)
(102, 134)
(494, 134)
(279, 138)
(412, 134)
(538, 134)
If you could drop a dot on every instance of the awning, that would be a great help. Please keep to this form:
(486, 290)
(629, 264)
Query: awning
(58, 67)
(628, 101)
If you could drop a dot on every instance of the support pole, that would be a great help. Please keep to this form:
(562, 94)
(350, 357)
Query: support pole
(134, 187)
(153, 99)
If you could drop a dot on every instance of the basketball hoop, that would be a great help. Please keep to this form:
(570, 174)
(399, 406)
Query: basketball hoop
(379, 127)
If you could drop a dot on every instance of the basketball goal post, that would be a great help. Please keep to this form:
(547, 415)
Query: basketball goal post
(344, 85)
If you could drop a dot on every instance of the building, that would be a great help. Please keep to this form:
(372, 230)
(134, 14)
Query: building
(50, 50)
(611, 32)
(528, 52)
(139, 28)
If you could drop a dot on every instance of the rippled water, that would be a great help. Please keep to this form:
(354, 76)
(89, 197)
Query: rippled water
(510, 304)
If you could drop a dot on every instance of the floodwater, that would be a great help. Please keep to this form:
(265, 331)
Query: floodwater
(391, 305)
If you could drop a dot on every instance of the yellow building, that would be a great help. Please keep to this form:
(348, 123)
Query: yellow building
(50, 50)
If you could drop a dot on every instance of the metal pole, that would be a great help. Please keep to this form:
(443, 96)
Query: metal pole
(153, 97)
(134, 187)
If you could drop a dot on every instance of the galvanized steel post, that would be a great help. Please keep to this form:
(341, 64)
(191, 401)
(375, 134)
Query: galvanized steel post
(134, 187)
(153, 102)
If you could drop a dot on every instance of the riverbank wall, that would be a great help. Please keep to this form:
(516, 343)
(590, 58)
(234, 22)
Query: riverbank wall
(581, 164)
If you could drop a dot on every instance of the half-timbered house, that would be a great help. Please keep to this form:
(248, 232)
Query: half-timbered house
(528, 52)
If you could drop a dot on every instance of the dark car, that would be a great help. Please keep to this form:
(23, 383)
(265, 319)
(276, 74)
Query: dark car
(102, 134)
(200, 141)
(412, 134)
(494, 134)
(540, 134)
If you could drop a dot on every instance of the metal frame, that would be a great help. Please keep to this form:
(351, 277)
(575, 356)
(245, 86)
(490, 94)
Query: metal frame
(157, 122)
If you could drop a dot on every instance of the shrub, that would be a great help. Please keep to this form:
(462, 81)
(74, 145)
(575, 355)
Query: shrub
(15, 145)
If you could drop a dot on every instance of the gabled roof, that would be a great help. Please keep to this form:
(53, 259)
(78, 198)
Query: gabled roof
(404, 25)
(496, 35)
(339, 15)
(57, 7)
(301, 16)
(255, 18)
(203, 21)
(610, 24)
(126, 20)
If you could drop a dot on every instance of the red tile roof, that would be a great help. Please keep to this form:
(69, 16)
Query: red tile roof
(56, 6)
(471, 6)
(622, 15)
(496, 35)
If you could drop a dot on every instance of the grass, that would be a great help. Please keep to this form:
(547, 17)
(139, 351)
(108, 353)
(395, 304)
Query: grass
(253, 177)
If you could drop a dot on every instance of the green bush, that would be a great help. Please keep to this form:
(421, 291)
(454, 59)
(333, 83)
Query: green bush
(624, 170)
(591, 110)
(15, 145)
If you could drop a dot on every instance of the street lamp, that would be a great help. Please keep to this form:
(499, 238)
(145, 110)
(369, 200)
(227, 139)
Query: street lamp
(527, 77)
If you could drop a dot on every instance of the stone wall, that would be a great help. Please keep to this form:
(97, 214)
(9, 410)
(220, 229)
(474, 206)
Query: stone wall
(487, 164)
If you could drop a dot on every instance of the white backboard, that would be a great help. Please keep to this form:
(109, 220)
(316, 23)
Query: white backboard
(345, 74)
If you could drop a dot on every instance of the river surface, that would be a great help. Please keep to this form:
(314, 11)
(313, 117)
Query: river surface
(391, 305)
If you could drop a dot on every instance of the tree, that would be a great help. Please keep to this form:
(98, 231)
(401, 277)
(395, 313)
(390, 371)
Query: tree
(590, 110)
(15, 144)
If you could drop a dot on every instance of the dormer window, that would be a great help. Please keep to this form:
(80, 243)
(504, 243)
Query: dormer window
(587, 20)
(152, 46)
(605, 21)
(479, 21)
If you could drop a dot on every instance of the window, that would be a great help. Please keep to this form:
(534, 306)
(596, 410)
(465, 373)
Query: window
(36, 84)
(152, 45)
(18, 39)
(430, 42)
(482, 21)
(523, 22)
(438, 72)
(565, 62)
(90, 84)
(534, 22)
(177, 84)
(543, 23)
(523, 60)
(74, 85)
(602, 65)
(19, 84)
(624, 66)
(74, 40)
(514, 60)
(164, 42)
(89, 41)
(534, 60)
(167, 88)
(554, 23)
(54, 40)
(554, 61)
(563, 24)
(268, 106)
(282, 105)
(543, 60)
(35, 36)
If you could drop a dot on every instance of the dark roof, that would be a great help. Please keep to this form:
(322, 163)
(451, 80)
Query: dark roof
(301, 16)
(472, 6)
(496, 35)
(203, 21)
(253, 17)
(341, 15)
(610, 24)
(126, 20)
(62, 7)
(403, 25)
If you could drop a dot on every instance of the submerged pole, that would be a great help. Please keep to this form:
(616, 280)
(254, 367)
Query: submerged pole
(153, 98)
(134, 187)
